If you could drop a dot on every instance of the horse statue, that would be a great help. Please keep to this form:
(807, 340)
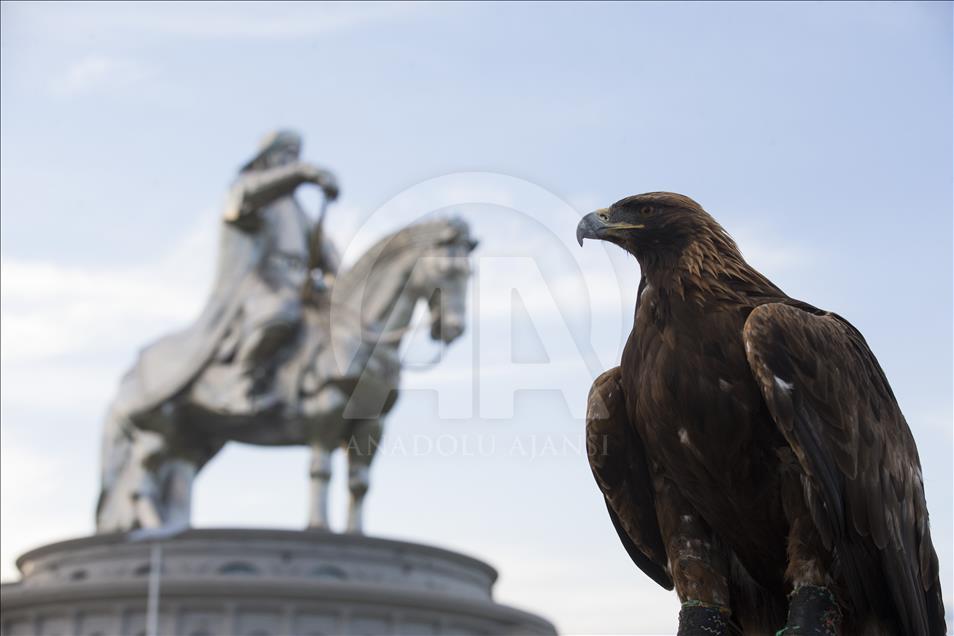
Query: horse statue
(336, 381)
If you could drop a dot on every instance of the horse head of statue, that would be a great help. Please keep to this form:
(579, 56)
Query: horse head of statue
(441, 275)
(425, 261)
(357, 333)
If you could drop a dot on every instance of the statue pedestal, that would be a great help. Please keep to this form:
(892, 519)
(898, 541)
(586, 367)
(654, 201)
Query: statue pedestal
(256, 582)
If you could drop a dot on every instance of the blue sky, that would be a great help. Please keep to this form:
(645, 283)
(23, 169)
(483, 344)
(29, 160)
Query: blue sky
(820, 135)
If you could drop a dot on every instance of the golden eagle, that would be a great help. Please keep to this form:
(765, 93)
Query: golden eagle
(749, 448)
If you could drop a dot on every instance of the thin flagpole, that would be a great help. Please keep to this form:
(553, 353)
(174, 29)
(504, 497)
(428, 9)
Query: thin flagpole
(152, 605)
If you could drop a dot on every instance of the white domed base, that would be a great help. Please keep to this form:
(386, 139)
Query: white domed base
(257, 582)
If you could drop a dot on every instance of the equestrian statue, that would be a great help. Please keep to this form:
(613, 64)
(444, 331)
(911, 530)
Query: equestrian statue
(287, 351)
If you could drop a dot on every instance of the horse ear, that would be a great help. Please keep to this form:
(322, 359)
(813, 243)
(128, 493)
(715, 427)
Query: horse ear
(472, 244)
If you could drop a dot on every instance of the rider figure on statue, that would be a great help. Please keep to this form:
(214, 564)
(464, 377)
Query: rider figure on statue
(269, 252)
(287, 249)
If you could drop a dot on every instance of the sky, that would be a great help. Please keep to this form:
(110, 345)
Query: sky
(818, 134)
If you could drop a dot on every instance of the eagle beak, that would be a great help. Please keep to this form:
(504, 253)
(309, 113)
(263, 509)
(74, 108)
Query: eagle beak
(591, 226)
(596, 225)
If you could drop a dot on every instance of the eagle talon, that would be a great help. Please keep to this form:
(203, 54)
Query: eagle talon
(703, 619)
(812, 611)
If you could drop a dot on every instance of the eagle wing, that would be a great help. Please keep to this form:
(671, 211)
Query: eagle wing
(618, 460)
(831, 400)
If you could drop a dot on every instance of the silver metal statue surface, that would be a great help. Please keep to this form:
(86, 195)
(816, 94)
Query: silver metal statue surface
(286, 352)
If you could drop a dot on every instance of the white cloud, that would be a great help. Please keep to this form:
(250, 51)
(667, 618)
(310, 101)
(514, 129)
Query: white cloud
(66, 334)
(50, 309)
(30, 478)
(97, 72)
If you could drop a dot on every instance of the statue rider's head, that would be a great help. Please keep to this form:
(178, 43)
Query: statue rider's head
(277, 148)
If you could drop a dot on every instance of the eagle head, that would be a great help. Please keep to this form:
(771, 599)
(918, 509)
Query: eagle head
(655, 224)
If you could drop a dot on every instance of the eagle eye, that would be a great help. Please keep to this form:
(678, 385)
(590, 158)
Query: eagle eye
(646, 210)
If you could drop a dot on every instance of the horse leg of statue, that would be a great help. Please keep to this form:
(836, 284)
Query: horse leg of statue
(147, 508)
(130, 497)
(320, 476)
(358, 478)
(116, 507)
(179, 475)
(362, 446)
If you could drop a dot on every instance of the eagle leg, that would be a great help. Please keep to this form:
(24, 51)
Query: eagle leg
(809, 560)
(698, 563)
(812, 607)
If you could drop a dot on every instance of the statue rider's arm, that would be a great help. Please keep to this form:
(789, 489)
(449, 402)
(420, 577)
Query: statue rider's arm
(255, 189)
(331, 258)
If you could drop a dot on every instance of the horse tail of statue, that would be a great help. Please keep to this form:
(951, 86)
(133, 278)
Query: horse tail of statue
(124, 474)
